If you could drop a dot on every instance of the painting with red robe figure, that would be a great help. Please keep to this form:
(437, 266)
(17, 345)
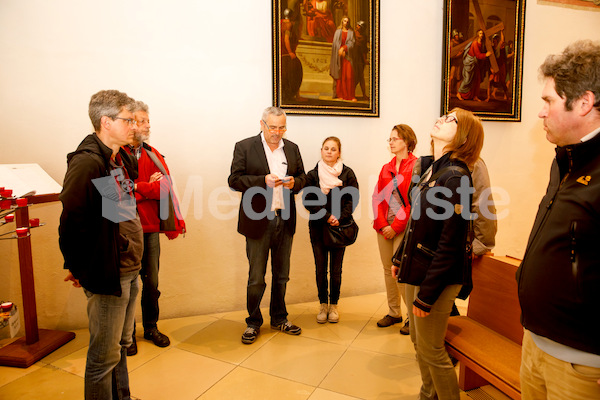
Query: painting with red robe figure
(576, 4)
(326, 57)
(483, 57)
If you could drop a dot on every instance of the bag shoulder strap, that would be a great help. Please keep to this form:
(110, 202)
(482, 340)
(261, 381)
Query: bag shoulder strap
(153, 157)
(396, 191)
(455, 168)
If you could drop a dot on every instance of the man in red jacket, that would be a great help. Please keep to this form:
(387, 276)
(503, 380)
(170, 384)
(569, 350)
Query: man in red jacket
(153, 187)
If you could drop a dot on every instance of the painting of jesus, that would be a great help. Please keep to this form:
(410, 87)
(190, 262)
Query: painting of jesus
(326, 57)
(483, 49)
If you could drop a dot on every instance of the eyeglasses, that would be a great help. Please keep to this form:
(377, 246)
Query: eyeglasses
(142, 121)
(448, 118)
(274, 129)
(392, 139)
(130, 122)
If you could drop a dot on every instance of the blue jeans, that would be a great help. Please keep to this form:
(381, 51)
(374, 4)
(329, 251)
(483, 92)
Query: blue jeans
(326, 255)
(278, 240)
(111, 326)
(149, 275)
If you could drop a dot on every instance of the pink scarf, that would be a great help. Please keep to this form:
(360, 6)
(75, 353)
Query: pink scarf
(328, 176)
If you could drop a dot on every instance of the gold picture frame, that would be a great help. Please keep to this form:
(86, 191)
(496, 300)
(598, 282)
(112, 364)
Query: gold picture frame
(482, 66)
(326, 57)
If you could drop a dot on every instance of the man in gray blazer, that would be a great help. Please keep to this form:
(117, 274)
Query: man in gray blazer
(268, 170)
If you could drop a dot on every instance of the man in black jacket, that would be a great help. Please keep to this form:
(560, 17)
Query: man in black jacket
(559, 278)
(101, 240)
(268, 170)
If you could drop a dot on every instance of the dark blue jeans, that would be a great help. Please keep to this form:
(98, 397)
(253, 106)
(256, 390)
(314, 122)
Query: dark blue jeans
(111, 326)
(278, 241)
(149, 275)
(326, 255)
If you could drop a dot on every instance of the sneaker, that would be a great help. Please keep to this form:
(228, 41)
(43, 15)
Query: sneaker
(250, 334)
(388, 320)
(132, 350)
(405, 330)
(333, 316)
(322, 315)
(287, 327)
(157, 338)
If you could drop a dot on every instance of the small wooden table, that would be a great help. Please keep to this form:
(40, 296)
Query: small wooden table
(37, 343)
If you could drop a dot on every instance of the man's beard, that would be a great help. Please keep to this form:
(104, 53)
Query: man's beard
(141, 137)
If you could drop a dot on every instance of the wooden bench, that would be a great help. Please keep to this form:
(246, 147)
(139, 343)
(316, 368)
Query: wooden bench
(487, 341)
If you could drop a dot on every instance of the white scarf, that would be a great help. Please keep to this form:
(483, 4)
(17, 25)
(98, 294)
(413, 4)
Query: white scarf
(328, 176)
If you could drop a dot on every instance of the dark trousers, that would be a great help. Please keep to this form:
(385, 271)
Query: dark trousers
(276, 240)
(323, 256)
(149, 275)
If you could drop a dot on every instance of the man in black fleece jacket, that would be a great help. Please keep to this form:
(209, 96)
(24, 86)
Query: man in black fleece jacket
(559, 278)
(101, 239)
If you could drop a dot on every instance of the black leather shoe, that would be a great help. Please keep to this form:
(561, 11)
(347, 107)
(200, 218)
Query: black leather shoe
(157, 338)
(132, 350)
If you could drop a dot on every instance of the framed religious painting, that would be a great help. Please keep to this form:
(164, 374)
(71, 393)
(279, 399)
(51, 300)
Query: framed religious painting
(578, 4)
(482, 64)
(326, 57)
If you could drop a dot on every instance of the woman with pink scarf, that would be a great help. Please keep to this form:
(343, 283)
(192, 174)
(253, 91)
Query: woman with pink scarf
(330, 195)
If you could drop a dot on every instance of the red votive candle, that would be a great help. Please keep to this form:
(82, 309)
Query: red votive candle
(5, 204)
(6, 193)
(22, 202)
(22, 232)
(9, 218)
(34, 222)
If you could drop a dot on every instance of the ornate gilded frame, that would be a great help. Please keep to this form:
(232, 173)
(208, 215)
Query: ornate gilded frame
(499, 74)
(302, 82)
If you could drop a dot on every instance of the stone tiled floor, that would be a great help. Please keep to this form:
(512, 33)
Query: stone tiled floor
(353, 359)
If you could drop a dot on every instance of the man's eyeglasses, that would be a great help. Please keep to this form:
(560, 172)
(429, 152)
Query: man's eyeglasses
(448, 118)
(130, 122)
(275, 129)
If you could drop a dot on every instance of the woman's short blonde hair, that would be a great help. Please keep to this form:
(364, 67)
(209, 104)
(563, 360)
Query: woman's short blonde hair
(407, 134)
(468, 141)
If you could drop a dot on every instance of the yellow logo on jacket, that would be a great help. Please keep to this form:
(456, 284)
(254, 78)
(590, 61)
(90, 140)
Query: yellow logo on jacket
(584, 180)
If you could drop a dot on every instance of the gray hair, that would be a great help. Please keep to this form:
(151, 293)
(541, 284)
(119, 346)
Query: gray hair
(140, 106)
(575, 71)
(108, 103)
(275, 111)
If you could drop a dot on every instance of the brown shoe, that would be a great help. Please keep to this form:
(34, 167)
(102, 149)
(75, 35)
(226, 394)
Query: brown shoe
(388, 320)
(158, 338)
(405, 330)
(132, 350)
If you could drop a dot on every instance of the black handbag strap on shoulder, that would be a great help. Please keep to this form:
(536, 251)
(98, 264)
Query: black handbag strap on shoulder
(442, 171)
(396, 191)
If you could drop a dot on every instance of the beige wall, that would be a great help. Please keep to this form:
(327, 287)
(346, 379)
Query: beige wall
(205, 71)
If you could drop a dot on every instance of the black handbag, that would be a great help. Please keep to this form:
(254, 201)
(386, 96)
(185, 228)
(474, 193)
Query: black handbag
(342, 235)
(168, 225)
